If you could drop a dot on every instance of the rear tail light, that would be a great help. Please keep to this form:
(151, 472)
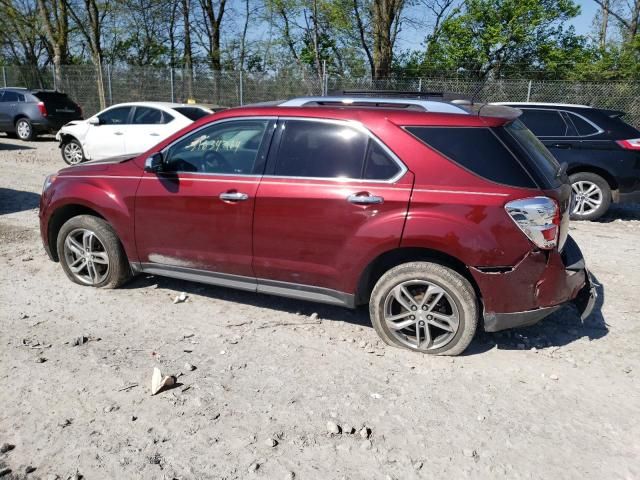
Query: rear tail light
(42, 108)
(631, 144)
(538, 218)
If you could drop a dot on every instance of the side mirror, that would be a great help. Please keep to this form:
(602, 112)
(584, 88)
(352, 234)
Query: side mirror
(94, 121)
(153, 164)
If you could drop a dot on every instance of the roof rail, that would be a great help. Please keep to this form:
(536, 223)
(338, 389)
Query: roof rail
(404, 103)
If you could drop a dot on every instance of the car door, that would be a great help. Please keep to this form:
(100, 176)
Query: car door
(332, 197)
(4, 113)
(107, 138)
(149, 126)
(8, 109)
(194, 217)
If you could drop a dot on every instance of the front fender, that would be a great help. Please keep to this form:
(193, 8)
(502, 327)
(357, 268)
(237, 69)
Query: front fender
(111, 198)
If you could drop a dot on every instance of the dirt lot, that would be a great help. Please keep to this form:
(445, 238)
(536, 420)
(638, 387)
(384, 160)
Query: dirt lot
(558, 400)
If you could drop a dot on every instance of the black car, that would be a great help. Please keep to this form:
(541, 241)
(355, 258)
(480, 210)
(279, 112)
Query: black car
(602, 152)
(25, 113)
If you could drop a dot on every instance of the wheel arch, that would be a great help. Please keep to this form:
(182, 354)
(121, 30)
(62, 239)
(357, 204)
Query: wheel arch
(607, 176)
(392, 258)
(19, 116)
(60, 217)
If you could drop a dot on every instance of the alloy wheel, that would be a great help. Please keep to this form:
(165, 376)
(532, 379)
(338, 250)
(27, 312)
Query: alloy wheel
(86, 256)
(421, 315)
(587, 197)
(73, 153)
(23, 129)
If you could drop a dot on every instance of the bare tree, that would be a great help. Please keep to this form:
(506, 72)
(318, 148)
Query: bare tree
(55, 18)
(378, 23)
(89, 16)
(188, 53)
(628, 20)
(213, 13)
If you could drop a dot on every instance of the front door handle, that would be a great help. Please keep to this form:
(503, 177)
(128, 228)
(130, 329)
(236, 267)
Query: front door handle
(233, 196)
(118, 133)
(154, 134)
(363, 198)
(561, 145)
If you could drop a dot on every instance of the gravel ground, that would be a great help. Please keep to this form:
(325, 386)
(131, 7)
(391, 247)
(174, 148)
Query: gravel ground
(274, 376)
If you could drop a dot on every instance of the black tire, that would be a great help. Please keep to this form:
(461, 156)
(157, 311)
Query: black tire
(455, 286)
(118, 270)
(24, 130)
(72, 152)
(579, 181)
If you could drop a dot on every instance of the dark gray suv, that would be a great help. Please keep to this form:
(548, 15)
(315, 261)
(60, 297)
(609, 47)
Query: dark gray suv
(25, 113)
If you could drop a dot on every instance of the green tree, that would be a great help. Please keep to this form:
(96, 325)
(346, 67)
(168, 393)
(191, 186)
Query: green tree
(507, 38)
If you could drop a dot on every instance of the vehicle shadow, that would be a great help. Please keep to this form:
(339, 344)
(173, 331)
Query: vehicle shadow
(14, 146)
(560, 328)
(623, 211)
(359, 316)
(12, 201)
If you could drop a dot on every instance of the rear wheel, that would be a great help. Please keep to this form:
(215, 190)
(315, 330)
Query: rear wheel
(425, 307)
(24, 129)
(591, 196)
(71, 151)
(91, 254)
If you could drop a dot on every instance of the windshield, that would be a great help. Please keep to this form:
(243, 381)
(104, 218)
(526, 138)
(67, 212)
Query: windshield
(543, 161)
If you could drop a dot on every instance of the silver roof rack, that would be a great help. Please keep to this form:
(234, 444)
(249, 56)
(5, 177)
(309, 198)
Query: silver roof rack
(381, 102)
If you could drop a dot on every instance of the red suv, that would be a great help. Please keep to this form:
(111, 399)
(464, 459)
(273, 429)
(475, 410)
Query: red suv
(440, 222)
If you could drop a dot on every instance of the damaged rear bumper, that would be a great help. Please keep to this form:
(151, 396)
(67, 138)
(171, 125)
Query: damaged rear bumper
(537, 286)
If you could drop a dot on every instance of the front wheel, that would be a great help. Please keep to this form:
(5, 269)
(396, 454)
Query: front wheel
(24, 130)
(425, 307)
(72, 152)
(591, 196)
(91, 254)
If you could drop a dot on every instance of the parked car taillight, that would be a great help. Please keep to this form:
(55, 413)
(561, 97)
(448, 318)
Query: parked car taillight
(631, 144)
(42, 108)
(538, 218)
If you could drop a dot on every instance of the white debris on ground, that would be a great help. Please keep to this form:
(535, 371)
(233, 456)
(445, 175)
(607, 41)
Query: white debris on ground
(289, 389)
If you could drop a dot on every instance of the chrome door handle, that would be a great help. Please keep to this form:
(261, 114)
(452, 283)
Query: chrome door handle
(365, 199)
(154, 134)
(118, 133)
(234, 196)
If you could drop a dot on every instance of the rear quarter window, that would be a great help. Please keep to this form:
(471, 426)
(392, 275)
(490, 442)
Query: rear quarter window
(478, 150)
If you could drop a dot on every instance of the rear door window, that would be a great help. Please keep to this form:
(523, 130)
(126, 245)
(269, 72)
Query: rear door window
(320, 150)
(582, 126)
(150, 116)
(11, 97)
(115, 116)
(544, 123)
(378, 164)
(478, 150)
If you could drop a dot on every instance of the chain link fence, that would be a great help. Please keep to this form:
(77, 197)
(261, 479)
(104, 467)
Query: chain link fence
(95, 88)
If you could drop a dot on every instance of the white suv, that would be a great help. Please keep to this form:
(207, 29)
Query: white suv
(124, 129)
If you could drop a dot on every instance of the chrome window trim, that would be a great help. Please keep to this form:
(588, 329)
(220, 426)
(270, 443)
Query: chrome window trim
(350, 123)
(361, 128)
(598, 129)
(207, 125)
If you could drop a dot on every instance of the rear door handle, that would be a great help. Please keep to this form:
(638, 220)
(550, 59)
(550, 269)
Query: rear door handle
(118, 133)
(154, 134)
(561, 145)
(233, 196)
(363, 198)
